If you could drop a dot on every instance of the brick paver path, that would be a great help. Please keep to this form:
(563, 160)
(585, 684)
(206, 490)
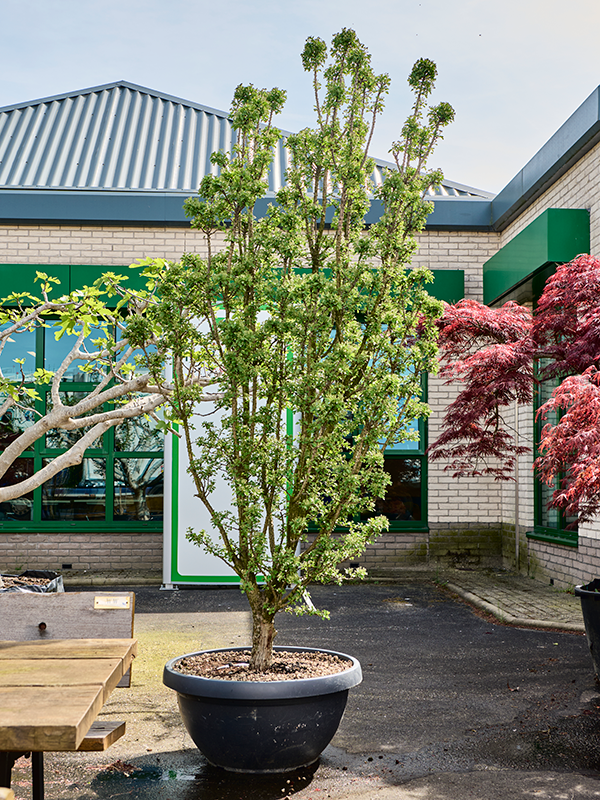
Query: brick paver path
(520, 597)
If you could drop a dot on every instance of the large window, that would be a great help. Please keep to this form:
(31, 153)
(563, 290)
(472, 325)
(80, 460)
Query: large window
(405, 501)
(119, 483)
(550, 524)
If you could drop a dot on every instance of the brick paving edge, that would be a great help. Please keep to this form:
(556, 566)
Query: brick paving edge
(509, 619)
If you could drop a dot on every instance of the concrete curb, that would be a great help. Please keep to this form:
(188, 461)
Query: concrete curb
(504, 616)
(103, 580)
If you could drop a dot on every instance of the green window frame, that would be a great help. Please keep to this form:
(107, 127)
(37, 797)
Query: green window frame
(405, 502)
(118, 485)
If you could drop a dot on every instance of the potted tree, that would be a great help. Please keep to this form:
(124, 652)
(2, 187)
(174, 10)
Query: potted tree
(315, 335)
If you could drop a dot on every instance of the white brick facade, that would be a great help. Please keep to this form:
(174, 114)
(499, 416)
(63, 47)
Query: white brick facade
(578, 188)
(469, 519)
(98, 552)
(466, 250)
(464, 516)
(108, 246)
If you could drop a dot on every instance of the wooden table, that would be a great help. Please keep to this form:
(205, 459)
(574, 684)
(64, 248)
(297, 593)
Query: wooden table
(51, 691)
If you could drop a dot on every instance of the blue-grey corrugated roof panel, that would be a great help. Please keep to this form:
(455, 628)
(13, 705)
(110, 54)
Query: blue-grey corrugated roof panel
(117, 136)
(121, 136)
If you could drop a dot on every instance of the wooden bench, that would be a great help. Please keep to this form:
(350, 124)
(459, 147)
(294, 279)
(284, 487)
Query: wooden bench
(26, 616)
(101, 735)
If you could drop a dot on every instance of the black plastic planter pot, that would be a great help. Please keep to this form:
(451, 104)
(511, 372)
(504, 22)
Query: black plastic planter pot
(14, 583)
(589, 594)
(274, 726)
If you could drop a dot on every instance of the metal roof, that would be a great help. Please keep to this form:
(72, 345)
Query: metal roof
(124, 137)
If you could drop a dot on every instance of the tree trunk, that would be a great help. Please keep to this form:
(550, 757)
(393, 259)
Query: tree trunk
(141, 506)
(263, 634)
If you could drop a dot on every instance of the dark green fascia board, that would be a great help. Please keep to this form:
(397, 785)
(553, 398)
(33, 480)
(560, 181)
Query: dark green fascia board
(556, 236)
(21, 278)
(460, 213)
(448, 285)
(570, 143)
(49, 206)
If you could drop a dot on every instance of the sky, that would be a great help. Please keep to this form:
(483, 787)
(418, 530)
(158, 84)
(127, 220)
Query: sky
(514, 71)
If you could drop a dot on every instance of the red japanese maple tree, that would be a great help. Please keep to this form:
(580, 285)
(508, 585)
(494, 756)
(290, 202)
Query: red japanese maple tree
(500, 355)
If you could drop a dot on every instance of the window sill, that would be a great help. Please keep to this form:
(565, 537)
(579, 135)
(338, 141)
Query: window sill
(564, 539)
(81, 527)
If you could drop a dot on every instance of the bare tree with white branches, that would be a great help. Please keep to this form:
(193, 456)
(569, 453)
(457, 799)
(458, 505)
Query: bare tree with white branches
(121, 381)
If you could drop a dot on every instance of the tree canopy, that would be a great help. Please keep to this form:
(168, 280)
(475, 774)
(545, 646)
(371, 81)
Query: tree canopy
(304, 328)
(314, 329)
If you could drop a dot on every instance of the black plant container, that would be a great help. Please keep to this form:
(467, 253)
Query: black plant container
(589, 594)
(261, 727)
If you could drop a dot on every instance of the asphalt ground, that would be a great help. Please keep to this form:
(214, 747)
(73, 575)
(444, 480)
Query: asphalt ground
(454, 704)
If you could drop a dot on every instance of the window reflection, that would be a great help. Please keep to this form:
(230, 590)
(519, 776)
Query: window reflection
(55, 353)
(402, 501)
(76, 493)
(57, 438)
(139, 434)
(551, 518)
(412, 444)
(138, 356)
(15, 421)
(138, 489)
(20, 345)
(547, 517)
(21, 508)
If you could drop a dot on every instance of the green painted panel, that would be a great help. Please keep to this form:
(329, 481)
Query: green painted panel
(21, 278)
(568, 233)
(85, 275)
(448, 285)
(557, 235)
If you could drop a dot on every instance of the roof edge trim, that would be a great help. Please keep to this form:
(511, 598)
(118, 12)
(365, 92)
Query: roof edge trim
(563, 150)
(97, 207)
(116, 85)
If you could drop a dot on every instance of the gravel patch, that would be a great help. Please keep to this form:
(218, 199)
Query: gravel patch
(233, 665)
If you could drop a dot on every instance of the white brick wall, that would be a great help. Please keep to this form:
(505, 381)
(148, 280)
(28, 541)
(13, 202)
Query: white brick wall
(85, 551)
(466, 250)
(451, 501)
(456, 501)
(77, 244)
(120, 246)
(526, 498)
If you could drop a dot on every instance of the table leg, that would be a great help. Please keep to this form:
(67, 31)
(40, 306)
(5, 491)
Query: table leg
(37, 776)
(7, 761)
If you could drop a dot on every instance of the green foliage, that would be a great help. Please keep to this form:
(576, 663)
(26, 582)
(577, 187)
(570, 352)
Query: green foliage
(314, 331)
(74, 315)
